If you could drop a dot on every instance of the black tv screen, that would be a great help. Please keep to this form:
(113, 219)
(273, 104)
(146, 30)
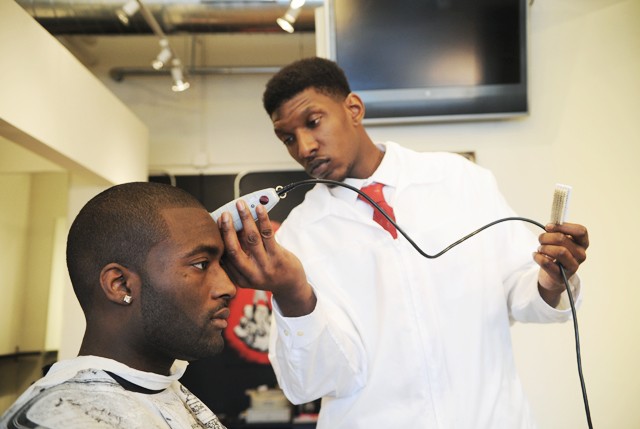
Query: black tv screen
(425, 60)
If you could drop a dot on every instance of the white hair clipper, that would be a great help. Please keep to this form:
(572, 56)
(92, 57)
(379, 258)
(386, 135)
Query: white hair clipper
(267, 198)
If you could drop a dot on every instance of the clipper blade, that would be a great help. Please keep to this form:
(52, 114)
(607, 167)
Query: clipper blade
(560, 204)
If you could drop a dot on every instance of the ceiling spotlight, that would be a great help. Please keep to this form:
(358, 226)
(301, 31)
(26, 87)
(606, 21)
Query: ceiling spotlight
(296, 4)
(287, 20)
(164, 56)
(127, 10)
(179, 82)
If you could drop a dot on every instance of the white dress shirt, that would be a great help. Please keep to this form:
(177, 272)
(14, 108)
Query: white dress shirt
(398, 340)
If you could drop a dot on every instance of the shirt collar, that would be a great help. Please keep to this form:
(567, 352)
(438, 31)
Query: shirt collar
(386, 173)
(65, 369)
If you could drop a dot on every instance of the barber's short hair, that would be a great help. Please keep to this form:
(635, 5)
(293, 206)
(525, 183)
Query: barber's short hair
(119, 225)
(319, 73)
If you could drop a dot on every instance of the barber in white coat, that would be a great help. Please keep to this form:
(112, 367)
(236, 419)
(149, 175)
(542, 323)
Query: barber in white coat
(385, 336)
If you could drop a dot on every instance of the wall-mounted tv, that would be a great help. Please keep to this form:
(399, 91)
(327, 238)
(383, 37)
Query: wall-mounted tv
(432, 60)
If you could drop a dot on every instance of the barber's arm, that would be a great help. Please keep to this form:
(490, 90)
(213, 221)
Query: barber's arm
(565, 244)
(255, 260)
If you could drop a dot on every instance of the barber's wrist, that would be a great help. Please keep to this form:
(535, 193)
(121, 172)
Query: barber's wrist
(550, 296)
(296, 302)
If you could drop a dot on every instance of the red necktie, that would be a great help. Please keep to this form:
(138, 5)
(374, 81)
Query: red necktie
(374, 191)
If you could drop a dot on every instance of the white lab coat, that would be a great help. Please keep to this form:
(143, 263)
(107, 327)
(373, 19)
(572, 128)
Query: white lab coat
(398, 340)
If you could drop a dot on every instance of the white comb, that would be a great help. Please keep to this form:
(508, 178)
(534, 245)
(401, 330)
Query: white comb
(560, 204)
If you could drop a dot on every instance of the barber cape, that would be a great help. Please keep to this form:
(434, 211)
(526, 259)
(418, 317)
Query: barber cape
(80, 393)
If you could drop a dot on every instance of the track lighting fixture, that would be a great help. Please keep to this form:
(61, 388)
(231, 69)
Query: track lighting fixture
(177, 73)
(164, 56)
(127, 11)
(287, 20)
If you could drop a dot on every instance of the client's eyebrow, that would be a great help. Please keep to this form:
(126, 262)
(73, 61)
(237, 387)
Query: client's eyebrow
(204, 248)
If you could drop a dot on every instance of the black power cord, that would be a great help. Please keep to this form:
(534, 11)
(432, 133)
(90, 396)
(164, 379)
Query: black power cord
(283, 190)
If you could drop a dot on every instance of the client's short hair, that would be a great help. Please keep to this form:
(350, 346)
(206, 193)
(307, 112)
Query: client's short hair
(119, 225)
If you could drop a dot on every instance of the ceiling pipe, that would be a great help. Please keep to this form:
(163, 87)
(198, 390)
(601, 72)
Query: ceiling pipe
(118, 74)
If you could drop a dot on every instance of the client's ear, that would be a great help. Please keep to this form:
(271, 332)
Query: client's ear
(118, 283)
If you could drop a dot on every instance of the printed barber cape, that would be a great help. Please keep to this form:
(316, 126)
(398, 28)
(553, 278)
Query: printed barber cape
(80, 394)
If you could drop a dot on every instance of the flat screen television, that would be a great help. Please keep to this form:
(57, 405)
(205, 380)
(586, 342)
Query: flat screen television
(432, 60)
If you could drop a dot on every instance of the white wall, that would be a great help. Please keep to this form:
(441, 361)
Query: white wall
(52, 106)
(58, 125)
(13, 236)
(47, 202)
(217, 126)
(583, 130)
